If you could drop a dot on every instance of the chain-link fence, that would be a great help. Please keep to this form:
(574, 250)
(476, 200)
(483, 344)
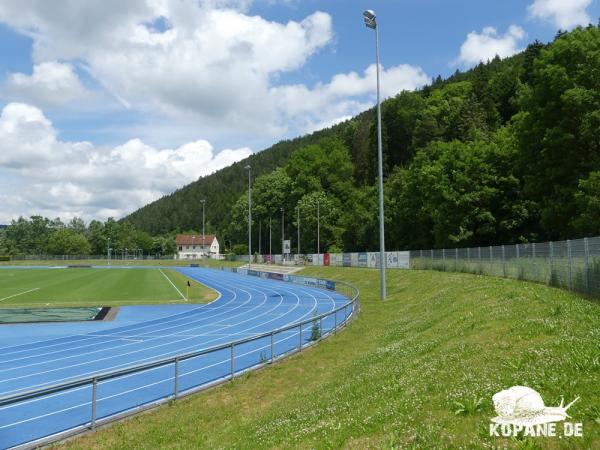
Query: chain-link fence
(571, 264)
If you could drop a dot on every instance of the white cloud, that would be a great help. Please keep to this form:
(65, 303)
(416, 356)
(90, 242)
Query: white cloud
(206, 63)
(211, 61)
(564, 14)
(345, 95)
(42, 175)
(51, 84)
(486, 45)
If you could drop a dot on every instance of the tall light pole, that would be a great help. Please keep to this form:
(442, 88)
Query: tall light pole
(249, 169)
(270, 252)
(203, 201)
(282, 231)
(298, 208)
(370, 22)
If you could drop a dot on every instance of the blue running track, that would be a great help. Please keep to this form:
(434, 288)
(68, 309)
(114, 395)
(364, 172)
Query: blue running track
(41, 355)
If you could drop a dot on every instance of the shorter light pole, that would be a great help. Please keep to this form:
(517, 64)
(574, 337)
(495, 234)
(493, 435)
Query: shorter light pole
(108, 252)
(249, 168)
(318, 233)
(203, 201)
(282, 232)
(270, 235)
(298, 208)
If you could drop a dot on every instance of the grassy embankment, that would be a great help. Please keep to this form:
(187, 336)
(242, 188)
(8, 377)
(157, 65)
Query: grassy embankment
(417, 371)
(97, 287)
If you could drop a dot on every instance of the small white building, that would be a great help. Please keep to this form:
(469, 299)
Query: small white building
(197, 246)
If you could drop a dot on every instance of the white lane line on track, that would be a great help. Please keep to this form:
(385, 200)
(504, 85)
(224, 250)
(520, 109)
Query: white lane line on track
(115, 335)
(213, 331)
(151, 358)
(144, 324)
(281, 299)
(124, 345)
(134, 389)
(154, 357)
(127, 328)
(20, 293)
(172, 284)
(154, 337)
(156, 368)
(148, 385)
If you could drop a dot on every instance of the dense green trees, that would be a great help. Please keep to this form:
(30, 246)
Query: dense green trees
(40, 236)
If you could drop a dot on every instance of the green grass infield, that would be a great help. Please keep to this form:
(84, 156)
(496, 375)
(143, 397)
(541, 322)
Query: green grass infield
(73, 287)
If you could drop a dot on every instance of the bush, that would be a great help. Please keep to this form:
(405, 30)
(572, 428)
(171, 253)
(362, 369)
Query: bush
(315, 331)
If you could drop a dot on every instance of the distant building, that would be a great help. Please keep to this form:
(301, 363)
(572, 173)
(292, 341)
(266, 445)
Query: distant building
(197, 246)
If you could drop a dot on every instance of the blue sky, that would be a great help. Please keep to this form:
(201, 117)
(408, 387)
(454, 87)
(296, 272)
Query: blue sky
(108, 105)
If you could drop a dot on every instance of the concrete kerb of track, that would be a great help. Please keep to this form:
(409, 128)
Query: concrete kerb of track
(106, 421)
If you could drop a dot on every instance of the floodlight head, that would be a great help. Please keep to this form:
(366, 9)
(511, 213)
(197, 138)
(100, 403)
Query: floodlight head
(369, 14)
(369, 17)
(248, 167)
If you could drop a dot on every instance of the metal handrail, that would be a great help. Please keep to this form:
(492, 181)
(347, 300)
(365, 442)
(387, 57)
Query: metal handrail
(95, 379)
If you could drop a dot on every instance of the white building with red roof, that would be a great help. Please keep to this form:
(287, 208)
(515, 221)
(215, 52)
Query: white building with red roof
(197, 246)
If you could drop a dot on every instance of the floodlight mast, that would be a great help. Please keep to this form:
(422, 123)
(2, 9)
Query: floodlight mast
(369, 17)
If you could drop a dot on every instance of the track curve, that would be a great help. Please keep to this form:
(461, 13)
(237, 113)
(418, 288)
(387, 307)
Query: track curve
(246, 307)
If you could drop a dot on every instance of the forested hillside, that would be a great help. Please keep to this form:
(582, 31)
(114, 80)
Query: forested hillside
(506, 152)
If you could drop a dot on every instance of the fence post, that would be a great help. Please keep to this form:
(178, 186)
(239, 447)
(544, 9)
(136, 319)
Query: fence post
(456, 259)
(491, 262)
(272, 347)
(176, 378)
(503, 261)
(232, 365)
(94, 398)
(552, 263)
(479, 258)
(334, 322)
(320, 328)
(570, 261)
(469, 259)
(587, 265)
(535, 267)
(300, 348)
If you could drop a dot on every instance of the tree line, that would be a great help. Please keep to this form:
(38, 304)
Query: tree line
(42, 236)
